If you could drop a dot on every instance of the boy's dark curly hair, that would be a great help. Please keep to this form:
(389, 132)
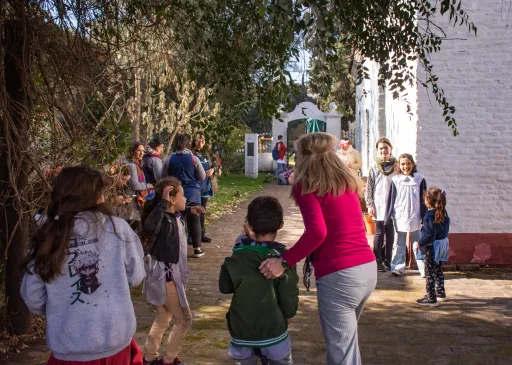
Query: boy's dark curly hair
(265, 215)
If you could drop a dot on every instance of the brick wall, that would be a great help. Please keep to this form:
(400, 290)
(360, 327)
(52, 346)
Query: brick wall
(474, 168)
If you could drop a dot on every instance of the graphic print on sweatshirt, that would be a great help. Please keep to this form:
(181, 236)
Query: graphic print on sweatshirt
(83, 264)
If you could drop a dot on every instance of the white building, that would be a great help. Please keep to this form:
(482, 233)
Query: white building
(474, 168)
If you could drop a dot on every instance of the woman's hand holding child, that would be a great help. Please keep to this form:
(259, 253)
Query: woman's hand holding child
(272, 268)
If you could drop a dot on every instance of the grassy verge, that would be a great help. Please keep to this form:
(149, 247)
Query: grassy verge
(233, 189)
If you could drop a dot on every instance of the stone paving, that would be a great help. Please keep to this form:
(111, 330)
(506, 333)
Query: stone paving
(473, 327)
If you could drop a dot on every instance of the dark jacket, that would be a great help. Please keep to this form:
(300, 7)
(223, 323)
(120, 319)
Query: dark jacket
(431, 231)
(260, 307)
(152, 167)
(162, 227)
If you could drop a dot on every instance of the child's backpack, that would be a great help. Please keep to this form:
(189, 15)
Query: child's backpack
(275, 154)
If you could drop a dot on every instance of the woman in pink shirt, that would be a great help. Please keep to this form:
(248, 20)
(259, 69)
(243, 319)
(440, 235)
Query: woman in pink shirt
(335, 243)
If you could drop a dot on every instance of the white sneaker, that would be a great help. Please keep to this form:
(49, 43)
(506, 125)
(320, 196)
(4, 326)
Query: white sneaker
(442, 299)
(396, 273)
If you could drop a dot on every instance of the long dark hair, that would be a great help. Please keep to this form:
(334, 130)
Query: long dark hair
(180, 142)
(76, 189)
(134, 147)
(410, 158)
(436, 198)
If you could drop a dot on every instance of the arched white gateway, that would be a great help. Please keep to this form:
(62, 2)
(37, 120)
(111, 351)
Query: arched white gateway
(307, 110)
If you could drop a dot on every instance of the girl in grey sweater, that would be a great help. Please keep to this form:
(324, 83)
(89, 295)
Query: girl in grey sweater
(80, 268)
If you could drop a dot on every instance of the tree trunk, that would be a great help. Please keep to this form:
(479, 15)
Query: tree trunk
(168, 149)
(136, 120)
(14, 144)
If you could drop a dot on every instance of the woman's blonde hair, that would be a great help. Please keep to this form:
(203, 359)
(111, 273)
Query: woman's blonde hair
(318, 169)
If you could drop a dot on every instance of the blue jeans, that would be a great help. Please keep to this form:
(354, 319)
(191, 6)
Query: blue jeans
(283, 180)
(399, 251)
(280, 354)
(281, 167)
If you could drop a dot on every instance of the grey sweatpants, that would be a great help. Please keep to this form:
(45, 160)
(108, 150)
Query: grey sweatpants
(341, 298)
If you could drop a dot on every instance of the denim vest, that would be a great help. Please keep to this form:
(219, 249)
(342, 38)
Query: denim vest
(206, 184)
(182, 167)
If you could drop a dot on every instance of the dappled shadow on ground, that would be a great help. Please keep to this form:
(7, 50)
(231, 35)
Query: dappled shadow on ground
(460, 331)
(483, 274)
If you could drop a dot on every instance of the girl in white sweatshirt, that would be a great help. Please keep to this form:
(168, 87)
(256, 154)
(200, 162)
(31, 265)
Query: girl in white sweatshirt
(407, 207)
(81, 265)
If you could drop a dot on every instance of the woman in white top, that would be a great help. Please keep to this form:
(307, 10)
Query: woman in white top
(377, 195)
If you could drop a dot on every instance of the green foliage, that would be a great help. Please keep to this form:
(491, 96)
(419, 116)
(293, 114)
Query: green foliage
(102, 149)
(240, 49)
(228, 132)
(233, 162)
(333, 82)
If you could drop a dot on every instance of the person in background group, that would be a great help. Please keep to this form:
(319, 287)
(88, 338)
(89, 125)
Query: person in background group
(434, 245)
(79, 270)
(377, 195)
(162, 221)
(218, 163)
(281, 161)
(125, 205)
(406, 208)
(286, 176)
(137, 181)
(327, 193)
(183, 165)
(350, 156)
(206, 184)
(151, 162)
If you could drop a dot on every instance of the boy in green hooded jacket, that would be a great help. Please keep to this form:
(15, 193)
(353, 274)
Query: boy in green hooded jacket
(260, 308)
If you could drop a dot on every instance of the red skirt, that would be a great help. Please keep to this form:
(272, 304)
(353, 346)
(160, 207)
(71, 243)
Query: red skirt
(130, 355)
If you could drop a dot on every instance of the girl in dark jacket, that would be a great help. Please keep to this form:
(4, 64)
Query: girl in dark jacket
(434, 245)
(163, 221)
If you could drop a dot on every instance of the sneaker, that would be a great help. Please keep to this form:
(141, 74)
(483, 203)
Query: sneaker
(198, 252)
(425, 301)
(206, 239)
(156, 361)
(442, 298)
(396, 273)
(387, 265)
(380, 267)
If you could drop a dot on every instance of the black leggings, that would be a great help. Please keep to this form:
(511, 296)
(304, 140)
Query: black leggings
(204, 203)
(378, 240)
(194, 227)
(434, 275)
